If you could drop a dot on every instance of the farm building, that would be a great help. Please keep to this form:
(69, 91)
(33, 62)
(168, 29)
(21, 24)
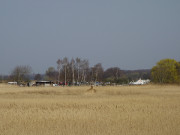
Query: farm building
(12, 83)
(44, 83)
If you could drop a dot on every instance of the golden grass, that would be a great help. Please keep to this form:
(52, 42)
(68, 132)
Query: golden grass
(126, 110)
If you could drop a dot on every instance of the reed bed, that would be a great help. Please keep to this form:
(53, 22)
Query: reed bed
(111, 110)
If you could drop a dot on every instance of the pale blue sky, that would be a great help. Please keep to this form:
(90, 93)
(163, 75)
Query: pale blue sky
(130, 34)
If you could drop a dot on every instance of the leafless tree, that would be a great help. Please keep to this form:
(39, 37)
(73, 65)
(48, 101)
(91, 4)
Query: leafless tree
(114, 72)
(20, 73)
(84, 67)
(78, 61)
(72, 67)
(65, 63)
(37, 77)
(59, 65)
(51, 74)
(98, 71)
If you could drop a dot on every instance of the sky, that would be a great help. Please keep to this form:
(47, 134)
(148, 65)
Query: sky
(129, 34)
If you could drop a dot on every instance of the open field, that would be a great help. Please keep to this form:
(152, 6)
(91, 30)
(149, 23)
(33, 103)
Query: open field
(120, 110)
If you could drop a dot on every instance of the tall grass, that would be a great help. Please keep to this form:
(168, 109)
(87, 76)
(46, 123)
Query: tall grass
(126, 110)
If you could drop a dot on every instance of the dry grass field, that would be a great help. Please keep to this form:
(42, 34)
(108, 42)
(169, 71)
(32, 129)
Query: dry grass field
(118, 110)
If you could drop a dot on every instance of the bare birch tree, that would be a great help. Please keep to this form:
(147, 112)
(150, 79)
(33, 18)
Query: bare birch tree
(65, 63)
(72, 67)
(84, 67)
(98, 70)
(78, 60)
(59, 65)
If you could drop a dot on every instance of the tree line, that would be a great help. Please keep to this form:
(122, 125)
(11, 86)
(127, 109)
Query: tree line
(74, 71)
(78, 71)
